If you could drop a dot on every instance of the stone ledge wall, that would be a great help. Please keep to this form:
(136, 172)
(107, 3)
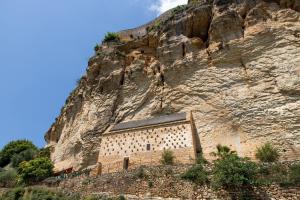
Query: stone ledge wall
(166, 183)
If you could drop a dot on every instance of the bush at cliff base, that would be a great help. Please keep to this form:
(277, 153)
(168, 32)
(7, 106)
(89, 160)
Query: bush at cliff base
(13, 148)
(196, 174)
(294, 174)
(232, 171)
(267, 153)
(35, 170)
(167, 157)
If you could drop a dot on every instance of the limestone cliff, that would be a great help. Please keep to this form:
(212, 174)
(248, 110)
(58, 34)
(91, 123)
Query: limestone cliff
(234, 63)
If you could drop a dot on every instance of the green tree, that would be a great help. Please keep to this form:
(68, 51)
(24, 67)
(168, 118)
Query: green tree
(167, 157)
(35, 170)
(12, 148)
(267, 153)
(26, 155)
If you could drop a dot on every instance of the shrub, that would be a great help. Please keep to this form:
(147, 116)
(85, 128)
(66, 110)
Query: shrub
(141, 173)
(233, 172)
(196, 174)
(273, 173)
(267, 153)
(96, 48)
(37, 193)
(150, 184)
(8, 178)
(110, 36)
(45, 152)
(201, 160)
(294, 174)
(155, 27)
(167, 157)
(12, 148)
(26, 155)
(223, 151)
(13, 194)
(121, 197)
(35, 170)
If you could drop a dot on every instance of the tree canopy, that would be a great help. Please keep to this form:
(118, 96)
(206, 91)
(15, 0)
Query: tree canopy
(13, 148)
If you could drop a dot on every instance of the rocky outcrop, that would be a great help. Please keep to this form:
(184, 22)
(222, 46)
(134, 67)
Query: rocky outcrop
(235, 64)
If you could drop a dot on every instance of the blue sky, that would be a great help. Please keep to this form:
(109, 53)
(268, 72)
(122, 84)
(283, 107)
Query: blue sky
(44, 49)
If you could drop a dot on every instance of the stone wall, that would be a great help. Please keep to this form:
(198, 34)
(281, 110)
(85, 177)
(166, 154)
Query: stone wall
(166, 183)
(133, 143)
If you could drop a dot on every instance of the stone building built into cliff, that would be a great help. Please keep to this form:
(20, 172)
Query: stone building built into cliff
(235, 64)
(130, 144)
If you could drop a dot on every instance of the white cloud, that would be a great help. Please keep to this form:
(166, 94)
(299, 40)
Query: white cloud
(164, 5)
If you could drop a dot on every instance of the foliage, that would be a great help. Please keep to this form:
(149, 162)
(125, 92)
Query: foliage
(121, 197)
(150, 184)
(232, 171)
(169, 171)
(35, 170)
(267, 153)
(141, 173)
(8, 178)
(110, 36)
(167, 157)
(78, 82)
(12, 148)
(155, 27)
(26, 155)
(194, 1)
(196, 174)
(294, 174)
(37, 193)
(96, 48)
(223, 152)
(201, 160)
(177, 10)
(273, 173)
(44, 152)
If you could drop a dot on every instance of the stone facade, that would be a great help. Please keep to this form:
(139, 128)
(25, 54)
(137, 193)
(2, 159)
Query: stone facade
(127, 148)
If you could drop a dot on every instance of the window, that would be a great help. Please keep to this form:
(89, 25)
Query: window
(148, 147)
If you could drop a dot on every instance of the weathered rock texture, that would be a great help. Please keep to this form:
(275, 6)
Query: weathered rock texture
(234, 63)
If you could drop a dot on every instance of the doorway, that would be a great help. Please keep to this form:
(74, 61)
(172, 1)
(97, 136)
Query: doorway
(126, 163)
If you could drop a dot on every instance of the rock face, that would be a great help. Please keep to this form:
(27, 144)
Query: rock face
(234, 63)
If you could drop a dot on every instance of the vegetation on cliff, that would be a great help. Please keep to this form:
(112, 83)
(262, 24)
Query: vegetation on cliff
(111, 36)
(267, 153)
